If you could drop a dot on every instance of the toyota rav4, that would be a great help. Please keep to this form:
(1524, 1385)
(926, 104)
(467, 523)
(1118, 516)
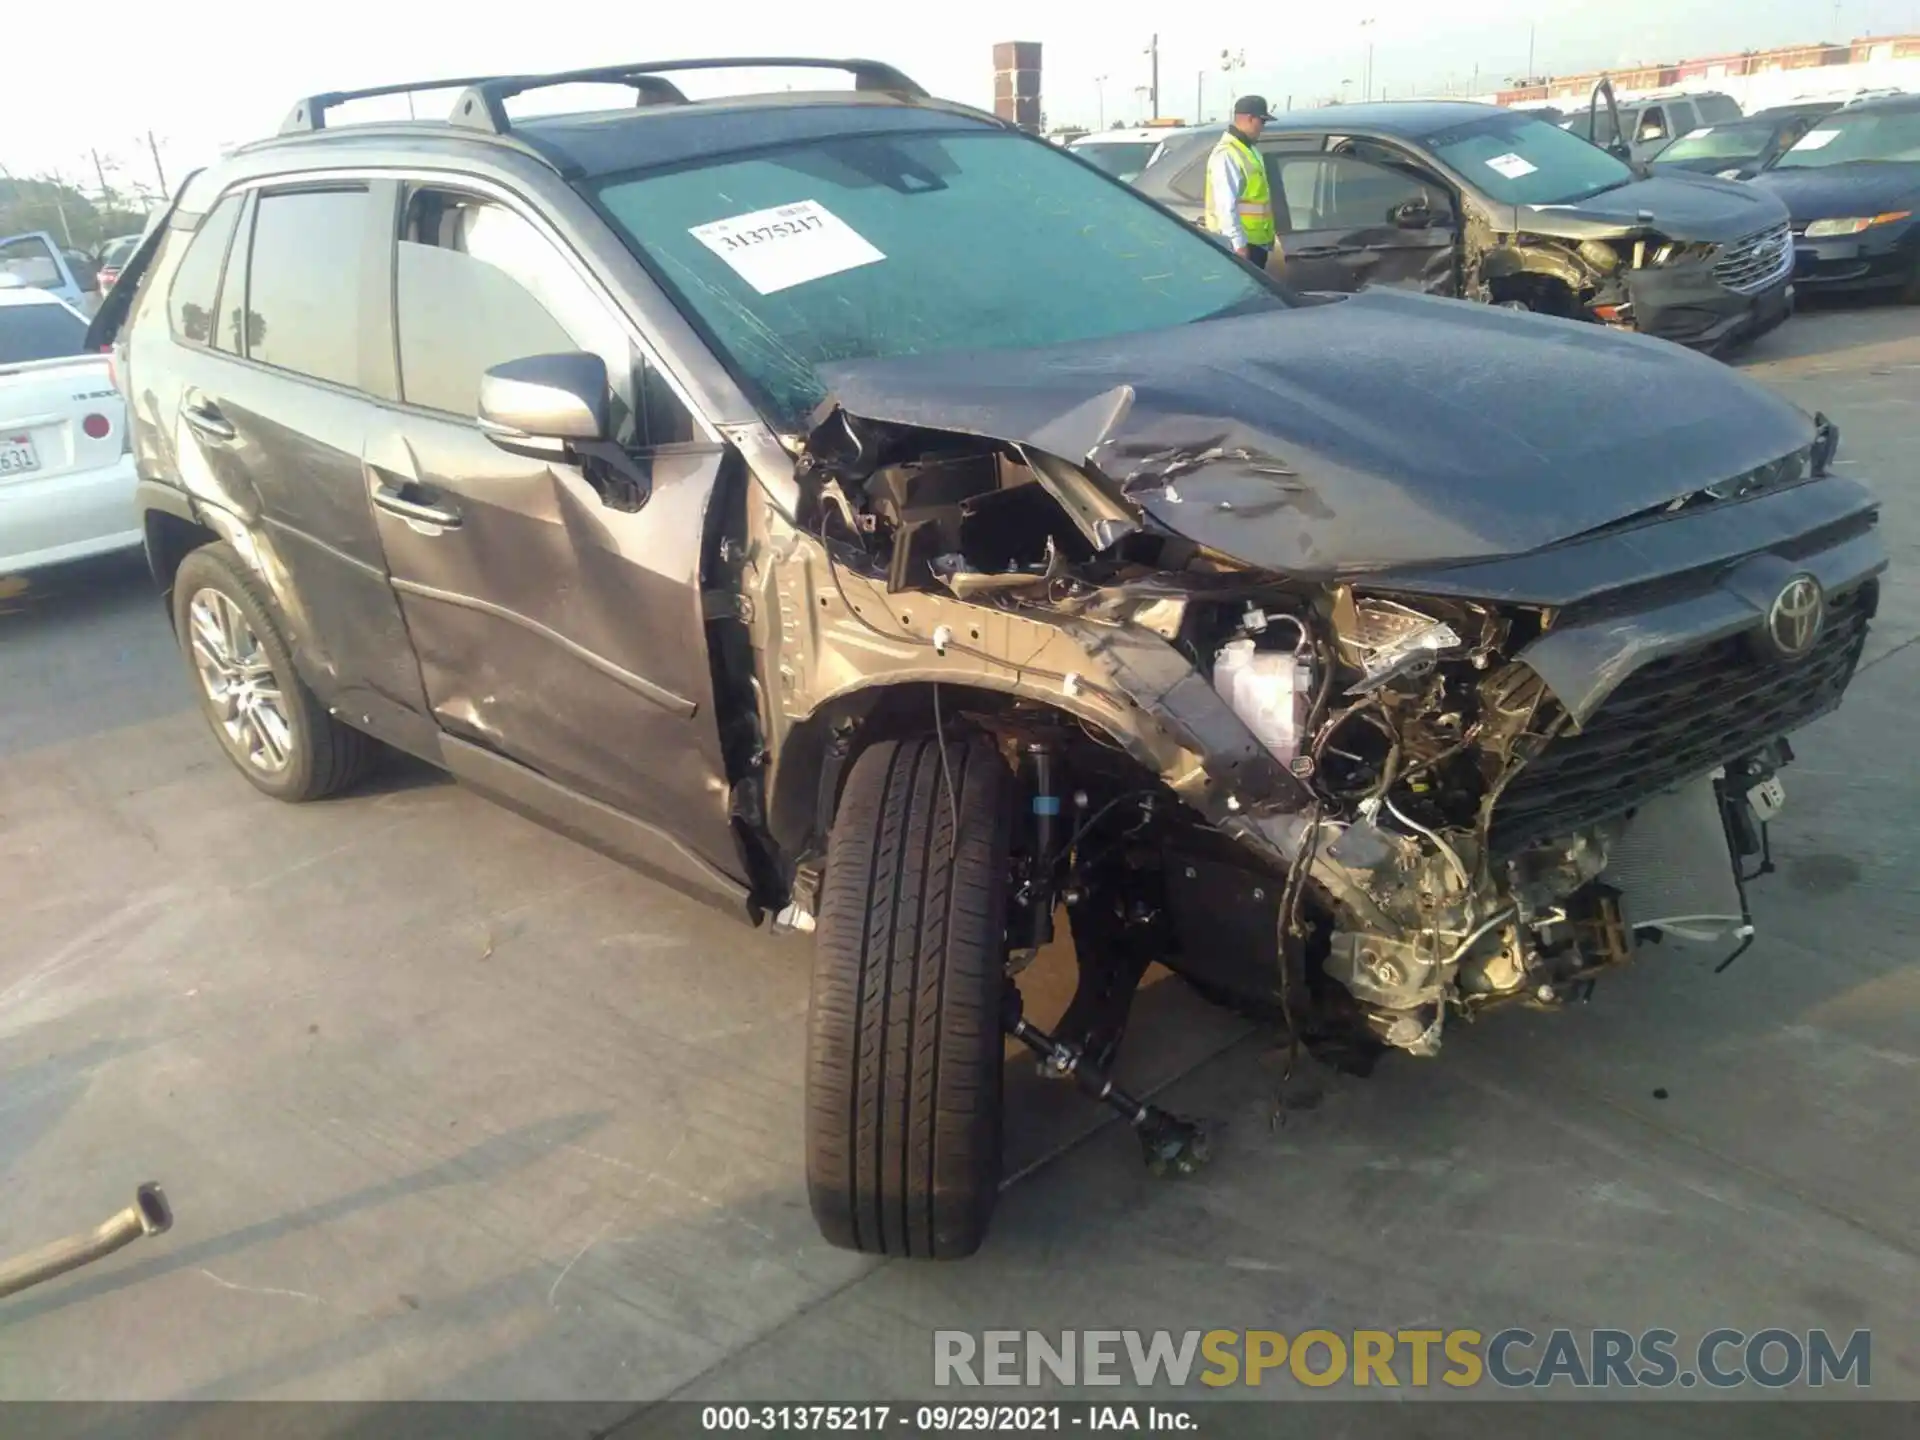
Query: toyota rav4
(865, 516)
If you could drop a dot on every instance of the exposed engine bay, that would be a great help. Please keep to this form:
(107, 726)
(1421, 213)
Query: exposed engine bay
(1359, 811)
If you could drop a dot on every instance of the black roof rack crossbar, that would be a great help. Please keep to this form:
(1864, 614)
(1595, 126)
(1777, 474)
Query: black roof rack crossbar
(311, 113)
(481, 105)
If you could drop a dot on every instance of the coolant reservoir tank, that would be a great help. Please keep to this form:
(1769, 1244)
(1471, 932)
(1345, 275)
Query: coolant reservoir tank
(1267, 690)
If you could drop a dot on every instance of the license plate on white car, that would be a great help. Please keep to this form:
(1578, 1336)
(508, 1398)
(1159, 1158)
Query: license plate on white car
(17, 456)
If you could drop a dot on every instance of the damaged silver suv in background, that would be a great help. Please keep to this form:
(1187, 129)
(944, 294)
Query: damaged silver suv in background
(876, 519)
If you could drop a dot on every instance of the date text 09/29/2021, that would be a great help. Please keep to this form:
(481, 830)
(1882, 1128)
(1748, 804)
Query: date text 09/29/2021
(949, 1419)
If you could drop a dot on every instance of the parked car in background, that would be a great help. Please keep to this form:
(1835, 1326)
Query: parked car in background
(1651, 122)
(36, 259)
(1123, 154)
(1491, 204)
(113, 255)
(66, 470)
(1852, 184)
(1742, 149)
(744, 486)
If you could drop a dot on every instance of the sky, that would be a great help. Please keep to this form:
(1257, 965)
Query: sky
(206, 73)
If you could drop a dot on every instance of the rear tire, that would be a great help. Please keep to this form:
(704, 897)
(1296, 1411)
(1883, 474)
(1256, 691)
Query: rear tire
(290, 748)
(905, 1047)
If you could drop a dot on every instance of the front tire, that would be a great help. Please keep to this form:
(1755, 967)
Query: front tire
(273, 728)
(905, 1047)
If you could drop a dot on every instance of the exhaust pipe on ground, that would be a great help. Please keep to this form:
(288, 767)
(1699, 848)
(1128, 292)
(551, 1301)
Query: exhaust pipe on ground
(148, 1215)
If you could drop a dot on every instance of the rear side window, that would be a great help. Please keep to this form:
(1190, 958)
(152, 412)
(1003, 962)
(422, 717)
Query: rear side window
(1717, 109)
(45, 331)
(303, 283)
(196, 284)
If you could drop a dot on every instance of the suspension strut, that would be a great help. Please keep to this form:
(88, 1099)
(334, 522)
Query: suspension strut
(1040, 761)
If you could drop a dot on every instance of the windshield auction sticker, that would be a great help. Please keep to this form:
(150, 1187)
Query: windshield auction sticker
(776, 249)
(1512, 166)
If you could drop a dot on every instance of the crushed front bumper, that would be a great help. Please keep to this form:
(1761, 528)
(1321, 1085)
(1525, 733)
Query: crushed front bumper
(1689, 306)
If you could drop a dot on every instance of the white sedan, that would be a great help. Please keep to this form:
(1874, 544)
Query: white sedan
(66, 467)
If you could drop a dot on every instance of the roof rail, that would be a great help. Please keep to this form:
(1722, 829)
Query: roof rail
(311, 113)
(481, 105)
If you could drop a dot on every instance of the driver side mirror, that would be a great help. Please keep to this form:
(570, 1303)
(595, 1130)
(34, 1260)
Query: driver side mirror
(559, 408)
(547, 399)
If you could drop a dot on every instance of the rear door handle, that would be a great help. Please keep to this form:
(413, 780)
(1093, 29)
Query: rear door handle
(205, 417)
(395, 501)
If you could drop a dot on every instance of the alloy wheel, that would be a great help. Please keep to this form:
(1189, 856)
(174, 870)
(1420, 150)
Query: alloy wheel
(239, 681)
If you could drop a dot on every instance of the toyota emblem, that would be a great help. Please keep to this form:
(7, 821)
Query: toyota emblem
(1795, 618)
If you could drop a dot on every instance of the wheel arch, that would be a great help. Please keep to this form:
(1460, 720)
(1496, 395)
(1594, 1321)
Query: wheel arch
(818, 751)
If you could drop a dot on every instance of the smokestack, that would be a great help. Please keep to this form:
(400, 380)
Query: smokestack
(1016, 83)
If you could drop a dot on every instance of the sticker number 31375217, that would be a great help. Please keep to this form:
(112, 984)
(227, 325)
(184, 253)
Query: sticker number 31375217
(787, 245)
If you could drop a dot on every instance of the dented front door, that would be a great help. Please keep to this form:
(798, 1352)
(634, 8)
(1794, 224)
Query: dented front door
(550, 627)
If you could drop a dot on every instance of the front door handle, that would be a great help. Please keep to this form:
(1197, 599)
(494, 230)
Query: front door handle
(395, 501)
(205, 417)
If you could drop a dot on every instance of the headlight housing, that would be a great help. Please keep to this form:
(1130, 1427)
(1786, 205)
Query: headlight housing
(1853, 224)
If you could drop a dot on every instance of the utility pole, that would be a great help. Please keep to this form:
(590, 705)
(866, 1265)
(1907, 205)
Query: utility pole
(1366, 83)
(1530, 33)
(1200, 98)
(100, 174)
(1230, 61)
(153, 149)
(1100, 93)
(1153, 87)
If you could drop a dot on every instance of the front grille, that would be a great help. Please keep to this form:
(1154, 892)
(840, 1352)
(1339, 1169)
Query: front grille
(1755, 261)
(1675, 719)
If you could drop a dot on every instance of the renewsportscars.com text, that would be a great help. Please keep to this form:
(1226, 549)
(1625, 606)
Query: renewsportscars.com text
(1771, 1358)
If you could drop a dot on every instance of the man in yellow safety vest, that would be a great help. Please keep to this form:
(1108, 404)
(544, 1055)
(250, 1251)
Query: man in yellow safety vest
(1239, 200)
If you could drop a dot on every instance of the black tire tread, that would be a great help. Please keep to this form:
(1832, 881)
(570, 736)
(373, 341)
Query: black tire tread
(905, 1049)
(333, 755)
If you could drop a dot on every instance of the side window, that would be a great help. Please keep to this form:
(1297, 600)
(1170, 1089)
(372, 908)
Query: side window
(1652, 124)
(32, 260)
(191, 300)
(1191, 183)
(1295, 180)
(303, 282)
(476, 285)
(1339, 192)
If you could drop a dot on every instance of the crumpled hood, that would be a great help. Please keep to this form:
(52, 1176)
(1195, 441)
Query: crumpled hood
(1685, 206)
(1382, 429)
(1831, 191)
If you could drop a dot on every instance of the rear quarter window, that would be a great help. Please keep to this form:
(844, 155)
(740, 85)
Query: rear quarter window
(1717, 109)
(194, 294)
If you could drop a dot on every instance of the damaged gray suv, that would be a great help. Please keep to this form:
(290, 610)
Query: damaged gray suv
(863, 515)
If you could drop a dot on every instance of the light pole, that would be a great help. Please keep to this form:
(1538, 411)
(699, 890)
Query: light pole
(1100, 93)
(1230, 61)
(1366, 84)
(1153, 89)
